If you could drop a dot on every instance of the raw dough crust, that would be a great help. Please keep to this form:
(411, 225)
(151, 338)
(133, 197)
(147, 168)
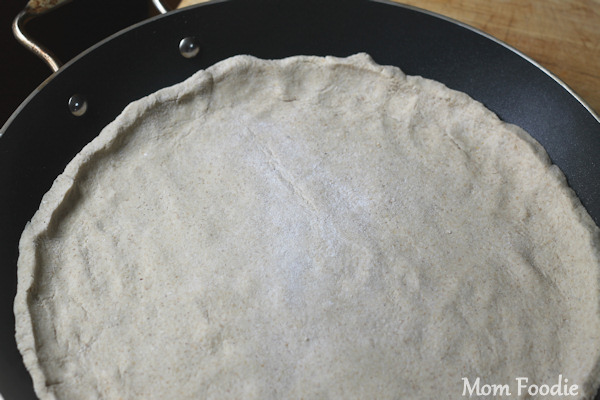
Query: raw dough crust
(307, 228)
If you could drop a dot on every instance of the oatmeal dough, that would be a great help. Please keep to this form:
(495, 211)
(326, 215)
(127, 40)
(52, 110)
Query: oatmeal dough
(307, 228)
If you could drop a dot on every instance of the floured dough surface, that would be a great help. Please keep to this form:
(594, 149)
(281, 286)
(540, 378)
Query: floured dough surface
(307, 228)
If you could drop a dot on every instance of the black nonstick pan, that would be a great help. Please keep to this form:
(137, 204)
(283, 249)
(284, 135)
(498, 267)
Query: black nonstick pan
(43, 135)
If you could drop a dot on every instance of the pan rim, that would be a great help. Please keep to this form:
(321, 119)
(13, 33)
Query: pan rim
(451, 20)
(507, 46)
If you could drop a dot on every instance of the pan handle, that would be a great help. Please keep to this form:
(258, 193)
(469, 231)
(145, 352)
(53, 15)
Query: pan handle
(161, 6)
(35, 8)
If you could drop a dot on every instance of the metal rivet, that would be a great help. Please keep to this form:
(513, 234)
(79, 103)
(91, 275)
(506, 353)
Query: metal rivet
(77, 105)
(189, 47)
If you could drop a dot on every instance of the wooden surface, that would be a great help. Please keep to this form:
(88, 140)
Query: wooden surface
(561, 35)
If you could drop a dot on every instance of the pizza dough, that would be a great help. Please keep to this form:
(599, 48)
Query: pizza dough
(307, 228)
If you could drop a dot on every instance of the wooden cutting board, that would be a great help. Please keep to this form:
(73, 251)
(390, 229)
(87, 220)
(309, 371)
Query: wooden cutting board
(561, 35)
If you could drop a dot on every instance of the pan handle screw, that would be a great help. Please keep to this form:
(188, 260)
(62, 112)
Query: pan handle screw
(77, 105)
(189, 47)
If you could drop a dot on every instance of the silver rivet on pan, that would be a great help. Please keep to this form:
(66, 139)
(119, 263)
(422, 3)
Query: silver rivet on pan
(77, 105)
(189, 47)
